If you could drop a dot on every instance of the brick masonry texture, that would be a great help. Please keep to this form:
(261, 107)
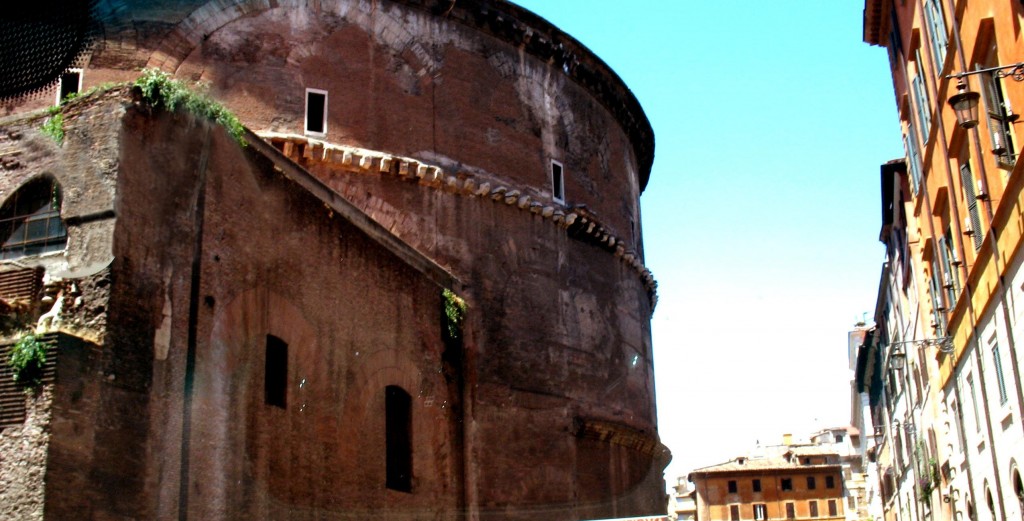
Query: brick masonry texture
(189, 250)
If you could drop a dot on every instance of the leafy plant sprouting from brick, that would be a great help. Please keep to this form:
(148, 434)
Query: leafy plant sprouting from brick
(28, 357)
(54, 125)
(454, 314)
(159, 89)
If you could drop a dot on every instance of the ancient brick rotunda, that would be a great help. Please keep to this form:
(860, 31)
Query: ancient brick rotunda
(418, 292)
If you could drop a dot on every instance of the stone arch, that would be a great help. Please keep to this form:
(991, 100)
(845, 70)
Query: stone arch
(228, 410)
(989, 501)
(30, 219)
(188, 34)
(376, 370)
(1018, 484)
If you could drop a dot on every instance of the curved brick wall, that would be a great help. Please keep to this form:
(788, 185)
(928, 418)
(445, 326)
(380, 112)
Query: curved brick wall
(557, 373)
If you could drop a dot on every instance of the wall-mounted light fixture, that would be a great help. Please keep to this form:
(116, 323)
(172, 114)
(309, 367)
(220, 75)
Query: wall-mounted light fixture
(965, 105)
(965, 101)
(944, 343)
(898, 358)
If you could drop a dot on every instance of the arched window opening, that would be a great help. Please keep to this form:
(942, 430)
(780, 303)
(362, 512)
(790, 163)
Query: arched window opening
(1018, 486)
(990, 503)
(398, 407)
(30, 222)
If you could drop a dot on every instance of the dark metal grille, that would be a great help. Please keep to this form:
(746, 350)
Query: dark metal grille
(30, 221)
(12, 395)
(40, 40)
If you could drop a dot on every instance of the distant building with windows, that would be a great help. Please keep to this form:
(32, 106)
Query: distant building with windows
(779, 483)
(682, 502)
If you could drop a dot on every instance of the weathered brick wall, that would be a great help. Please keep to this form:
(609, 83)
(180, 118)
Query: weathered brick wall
(558, 330)
(23, 453)
(273, 260)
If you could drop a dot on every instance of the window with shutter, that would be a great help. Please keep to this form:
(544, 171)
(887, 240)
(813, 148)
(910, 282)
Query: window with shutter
(971, 197)
(938, 303)
(760, 512)
(999, 114)
(997, 363)
(936, 31)
(950, 277)
(913, 157)
(921, 103)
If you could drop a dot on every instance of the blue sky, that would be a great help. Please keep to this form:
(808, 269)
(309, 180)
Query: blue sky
(761, 219)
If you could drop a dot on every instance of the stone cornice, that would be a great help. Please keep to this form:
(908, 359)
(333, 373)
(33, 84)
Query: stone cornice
(619, 434)
(578, 222)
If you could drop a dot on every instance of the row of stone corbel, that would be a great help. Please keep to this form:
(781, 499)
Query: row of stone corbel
(577, 221)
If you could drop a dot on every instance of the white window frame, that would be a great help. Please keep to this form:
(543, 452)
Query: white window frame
(557, 192)
(305, 114)
(60, 83)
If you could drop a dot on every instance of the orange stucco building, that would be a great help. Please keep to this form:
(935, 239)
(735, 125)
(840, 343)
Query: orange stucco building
(942, 368)
(800, 483)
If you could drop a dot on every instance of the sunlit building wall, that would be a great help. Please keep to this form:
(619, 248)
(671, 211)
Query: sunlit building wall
(959, 383)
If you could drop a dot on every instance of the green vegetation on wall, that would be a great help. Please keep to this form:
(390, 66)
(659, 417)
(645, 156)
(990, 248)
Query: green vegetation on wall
(54, 125)
(28, 356)
(454, 314)
(159, 89)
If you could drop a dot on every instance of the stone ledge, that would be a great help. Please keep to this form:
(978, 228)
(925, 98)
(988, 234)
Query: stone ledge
(577, 221)
(618, 434)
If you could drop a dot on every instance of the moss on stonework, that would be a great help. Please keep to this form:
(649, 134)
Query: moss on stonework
(159, 89)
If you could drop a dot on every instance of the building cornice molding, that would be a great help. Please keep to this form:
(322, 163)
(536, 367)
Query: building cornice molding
(577, 222)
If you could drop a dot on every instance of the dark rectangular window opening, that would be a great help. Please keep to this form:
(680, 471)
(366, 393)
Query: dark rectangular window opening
(316, 111)
(398, 418)
(275, 382)
(734, 512)
(811, 483)
(557, 182)
(70, 83)
(833, 508)
(786, 483)
(756, 485)
(732, 487)
(790, 511)
(830, 482)
(813, 507)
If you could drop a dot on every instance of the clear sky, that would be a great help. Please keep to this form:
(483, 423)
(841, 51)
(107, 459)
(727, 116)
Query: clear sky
(761, 219)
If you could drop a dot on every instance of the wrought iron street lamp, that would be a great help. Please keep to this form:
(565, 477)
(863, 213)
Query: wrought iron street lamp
(898, 358)
(965, 101)
(965, 104)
